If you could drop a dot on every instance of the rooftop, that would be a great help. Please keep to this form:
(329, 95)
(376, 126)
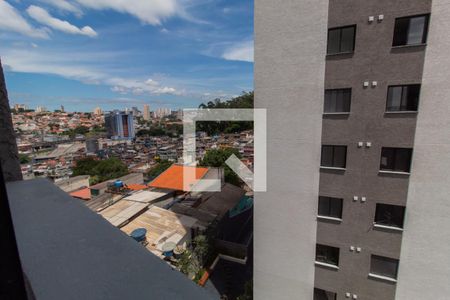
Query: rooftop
(146, 196)
(172, 178)
(136, 187)
(122, 211)
(162, 226)
(84, 194)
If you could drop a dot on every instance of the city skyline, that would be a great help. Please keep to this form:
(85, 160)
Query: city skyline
(175, 55)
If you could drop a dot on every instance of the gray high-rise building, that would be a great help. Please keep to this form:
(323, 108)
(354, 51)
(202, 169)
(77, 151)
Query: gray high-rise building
(119, 125)
(358, 149)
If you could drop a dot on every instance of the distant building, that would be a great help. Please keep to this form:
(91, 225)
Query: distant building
(146, 112)
(119, 125)
(92, 146)
(97, 111)
(162, 112)
(20, 107)
(41, 109)
(179, 114)
(62, 108)
(135, 110)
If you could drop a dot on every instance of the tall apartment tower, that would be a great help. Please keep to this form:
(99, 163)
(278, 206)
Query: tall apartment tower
(119, 125)
(358, 147)
(146, 112)
(98, 111)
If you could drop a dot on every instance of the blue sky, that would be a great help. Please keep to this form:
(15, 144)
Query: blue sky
(122, 53)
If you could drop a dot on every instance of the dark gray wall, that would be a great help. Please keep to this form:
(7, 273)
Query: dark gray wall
(373, 60)
(8, 147)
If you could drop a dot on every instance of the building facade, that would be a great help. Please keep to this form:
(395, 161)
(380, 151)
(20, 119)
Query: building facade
(362, 113)
(98, 111)
(119, 125)
(146, 113)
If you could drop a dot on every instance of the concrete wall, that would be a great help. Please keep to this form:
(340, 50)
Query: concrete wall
(8, 148)
(424, 261)
(290, 45)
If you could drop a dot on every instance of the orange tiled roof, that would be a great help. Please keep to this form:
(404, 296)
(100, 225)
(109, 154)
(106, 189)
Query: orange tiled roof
(84, 194)
(136, 187)
(172, 178)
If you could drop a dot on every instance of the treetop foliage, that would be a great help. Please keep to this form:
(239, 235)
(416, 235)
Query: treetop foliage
(100, 170)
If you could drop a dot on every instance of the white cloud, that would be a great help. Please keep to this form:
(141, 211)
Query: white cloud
(79, 67)
(12, 20)
(139, 87)
(147, 11)
(42, 16)
(65, 6)
(242, 52)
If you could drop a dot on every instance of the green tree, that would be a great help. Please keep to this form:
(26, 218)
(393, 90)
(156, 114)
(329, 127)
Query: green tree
(78, 130)
(193, 260)
(160, 167)
(243, 101)
(217, 157)
(153, 131)
(24, 159)
(100, 170)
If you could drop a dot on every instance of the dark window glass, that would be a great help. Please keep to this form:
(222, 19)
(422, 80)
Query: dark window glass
(341, 40)
(334, 36)
(384, 266)
(337, 100)
(347, 39)
(396, 159)
(330, 207)
(320, 294)
(333, 156)
(403, 98)
(410, 30)
(327, 254)
(390, 215)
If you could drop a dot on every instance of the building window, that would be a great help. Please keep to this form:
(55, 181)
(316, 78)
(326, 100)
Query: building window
(334, 156)
(337, 100)
(411, 30)
(384, 266)
(320, 294)
(389, 215)
(403, 98)
(330, 207)
(327, 254)
(341, 40)
(396, 159)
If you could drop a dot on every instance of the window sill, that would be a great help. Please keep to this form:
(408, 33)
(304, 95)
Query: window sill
(385, 278)
(388, 227)
(322, 264)
(394, 172)
(401, 112)
(340, 53)
(332, 168)
(329, 218)
(409, 46)
(336, 113)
